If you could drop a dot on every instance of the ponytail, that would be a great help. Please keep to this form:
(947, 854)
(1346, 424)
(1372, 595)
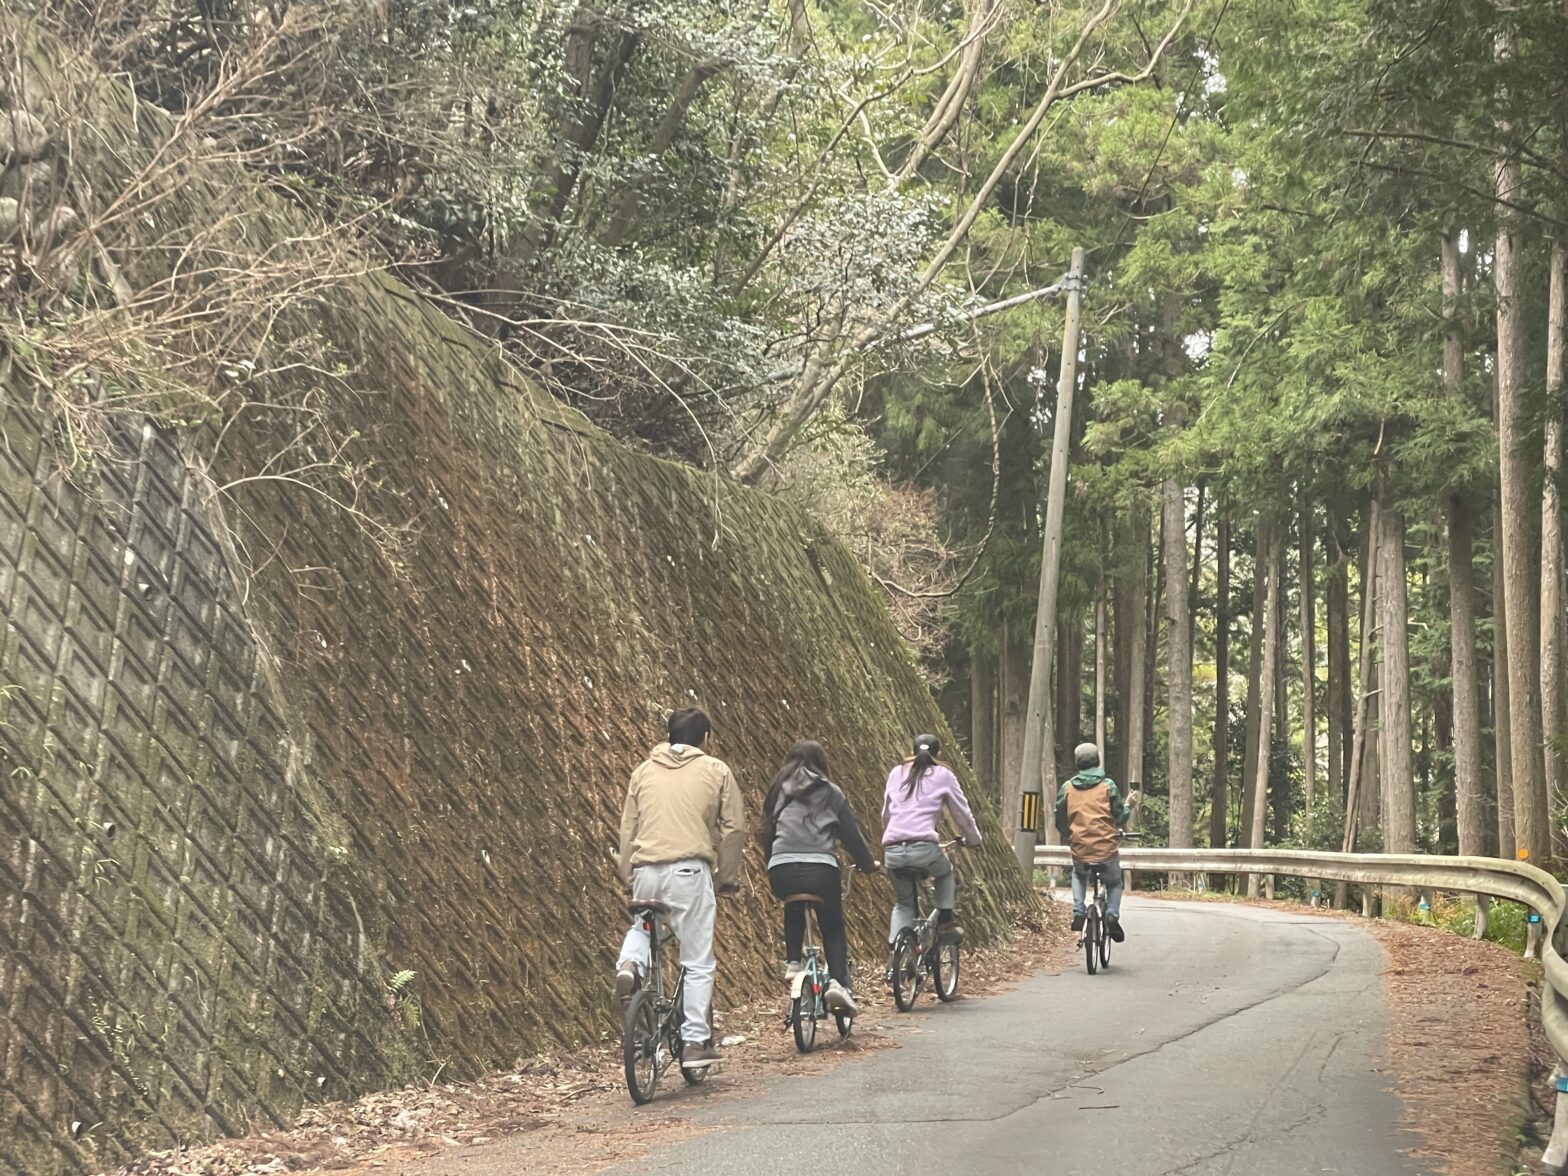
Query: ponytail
(926, 748)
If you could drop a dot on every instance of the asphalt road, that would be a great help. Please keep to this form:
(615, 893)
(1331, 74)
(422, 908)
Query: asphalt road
(1222, 1040)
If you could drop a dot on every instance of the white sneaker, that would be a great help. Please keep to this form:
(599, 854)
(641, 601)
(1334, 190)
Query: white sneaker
(626, 982)
(839, 999)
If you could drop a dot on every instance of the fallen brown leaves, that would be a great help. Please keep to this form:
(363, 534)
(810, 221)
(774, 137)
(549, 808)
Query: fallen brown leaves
(1459, 1044)
(571, 1111)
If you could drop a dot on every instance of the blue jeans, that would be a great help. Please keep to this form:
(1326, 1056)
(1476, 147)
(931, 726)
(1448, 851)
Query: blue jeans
(1111, 868)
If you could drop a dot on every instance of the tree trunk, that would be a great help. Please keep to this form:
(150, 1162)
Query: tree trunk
(1469, 802)
(1154, 595)
(1219, 816)
(629, 210)
(1069, 689)
(1398, 780)
(1100, 636)
(1249, 761)
(1339, 717)
(1195, 594)
(982, 719)
(1531, 831)
(1502, 711)
(1178, 635)
(1270, 551)
(1309, 661)
(584, 106)
(1138, 634)
(1552, 685)
(1361, 768)
(1131, 641)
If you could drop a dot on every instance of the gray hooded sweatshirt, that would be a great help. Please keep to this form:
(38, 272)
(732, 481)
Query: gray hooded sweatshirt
(808, 816)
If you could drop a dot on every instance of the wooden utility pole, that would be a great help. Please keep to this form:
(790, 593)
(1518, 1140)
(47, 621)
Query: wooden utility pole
(1038, 737)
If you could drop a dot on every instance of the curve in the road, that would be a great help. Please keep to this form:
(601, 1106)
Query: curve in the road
(1223, 1040)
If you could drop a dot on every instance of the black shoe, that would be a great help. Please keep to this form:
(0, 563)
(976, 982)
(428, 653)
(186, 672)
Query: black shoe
(1078, 922)
(1113, 928)
(949, 933)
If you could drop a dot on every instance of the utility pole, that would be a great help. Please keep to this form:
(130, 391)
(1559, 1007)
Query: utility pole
(1039, 737)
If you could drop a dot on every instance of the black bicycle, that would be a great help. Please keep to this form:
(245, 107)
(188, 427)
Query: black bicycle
(919, 951)
(1096, 942)
(651, 1041)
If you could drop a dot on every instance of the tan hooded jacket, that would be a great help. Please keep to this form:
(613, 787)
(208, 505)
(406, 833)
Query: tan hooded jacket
(683, 804)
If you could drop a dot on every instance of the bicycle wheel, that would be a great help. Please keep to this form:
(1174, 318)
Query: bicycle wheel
(845, 1023)
(640, 1047)
(944, 970)
(906, 972)
(1105, 944)
(1091, 937)
(693, 1077)
(803, 1013)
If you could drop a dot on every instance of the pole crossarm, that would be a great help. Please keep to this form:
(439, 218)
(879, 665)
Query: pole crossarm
(1067, 285)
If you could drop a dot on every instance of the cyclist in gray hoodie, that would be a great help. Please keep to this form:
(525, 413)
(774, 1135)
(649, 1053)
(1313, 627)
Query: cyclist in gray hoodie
(803, 816)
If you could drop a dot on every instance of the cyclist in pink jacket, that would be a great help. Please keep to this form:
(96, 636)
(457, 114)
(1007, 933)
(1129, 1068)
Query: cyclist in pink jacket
(917, 791)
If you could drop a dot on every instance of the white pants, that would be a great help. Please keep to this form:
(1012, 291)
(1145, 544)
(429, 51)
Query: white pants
(687, 889)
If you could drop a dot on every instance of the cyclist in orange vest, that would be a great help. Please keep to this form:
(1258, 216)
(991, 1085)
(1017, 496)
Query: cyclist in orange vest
(1090, 813)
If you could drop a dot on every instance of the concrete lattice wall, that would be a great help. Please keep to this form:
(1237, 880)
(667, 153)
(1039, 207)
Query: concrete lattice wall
(252, 765)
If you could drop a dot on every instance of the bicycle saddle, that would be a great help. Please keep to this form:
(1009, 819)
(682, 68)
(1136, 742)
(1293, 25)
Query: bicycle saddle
(647, 906)
(813, 899)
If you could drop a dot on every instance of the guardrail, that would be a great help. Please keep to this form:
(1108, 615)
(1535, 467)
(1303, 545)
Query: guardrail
(1493, 877)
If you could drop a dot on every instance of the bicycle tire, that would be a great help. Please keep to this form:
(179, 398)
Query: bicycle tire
(906, 972)
(693, 1077)
(945, 961)
(803, 1018)
(640, 1046)
(1105, 946)
(1091, 936)
(844, 1022)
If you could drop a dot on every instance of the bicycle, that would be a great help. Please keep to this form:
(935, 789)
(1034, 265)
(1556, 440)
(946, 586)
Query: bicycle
(808, 988)
(1096, 943)
(651, 1038)
(917, 952)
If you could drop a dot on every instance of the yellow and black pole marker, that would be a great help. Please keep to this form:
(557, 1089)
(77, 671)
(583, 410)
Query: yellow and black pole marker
(1029, 815)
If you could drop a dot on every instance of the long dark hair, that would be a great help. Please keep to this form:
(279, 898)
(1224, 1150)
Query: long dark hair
(807, 754)
(926, 747)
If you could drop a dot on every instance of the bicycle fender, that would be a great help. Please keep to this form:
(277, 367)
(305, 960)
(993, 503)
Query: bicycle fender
(797, 985)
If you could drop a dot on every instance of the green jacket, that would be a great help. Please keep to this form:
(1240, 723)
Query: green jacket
(1089, 810)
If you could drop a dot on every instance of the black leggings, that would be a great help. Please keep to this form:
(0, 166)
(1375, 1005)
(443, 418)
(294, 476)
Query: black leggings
(822, 880)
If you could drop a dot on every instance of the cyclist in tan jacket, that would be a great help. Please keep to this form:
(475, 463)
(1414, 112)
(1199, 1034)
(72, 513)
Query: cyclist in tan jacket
(683, 826)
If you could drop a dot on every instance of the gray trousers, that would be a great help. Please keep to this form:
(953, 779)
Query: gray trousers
(928, 858)
(687, 888)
